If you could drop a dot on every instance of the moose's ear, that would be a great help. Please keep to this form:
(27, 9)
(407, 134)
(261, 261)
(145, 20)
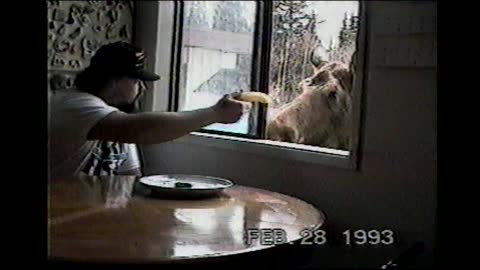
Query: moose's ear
(318, 57)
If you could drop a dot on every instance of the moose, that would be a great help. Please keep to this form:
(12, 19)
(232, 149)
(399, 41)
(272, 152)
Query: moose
(321, 114)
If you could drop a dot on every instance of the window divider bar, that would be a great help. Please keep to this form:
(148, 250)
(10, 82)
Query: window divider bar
(261, 59)
(177, 56)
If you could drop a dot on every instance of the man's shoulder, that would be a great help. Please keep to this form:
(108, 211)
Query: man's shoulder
(72, 94)
(67, 98)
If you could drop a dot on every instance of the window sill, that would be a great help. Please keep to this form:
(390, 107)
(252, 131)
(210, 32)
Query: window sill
(274, 149)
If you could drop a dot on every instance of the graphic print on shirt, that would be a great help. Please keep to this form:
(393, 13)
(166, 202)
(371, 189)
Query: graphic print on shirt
(106, 158)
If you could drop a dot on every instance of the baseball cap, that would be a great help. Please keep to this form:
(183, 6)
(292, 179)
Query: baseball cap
(122, 59)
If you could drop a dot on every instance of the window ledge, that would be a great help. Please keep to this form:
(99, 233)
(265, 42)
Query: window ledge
(274, 149)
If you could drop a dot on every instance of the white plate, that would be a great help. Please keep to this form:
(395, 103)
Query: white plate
(186, 185)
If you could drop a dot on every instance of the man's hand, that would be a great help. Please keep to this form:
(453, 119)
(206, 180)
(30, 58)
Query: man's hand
(228, 110)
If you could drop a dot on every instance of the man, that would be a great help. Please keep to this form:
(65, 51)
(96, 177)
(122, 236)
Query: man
(93, 131)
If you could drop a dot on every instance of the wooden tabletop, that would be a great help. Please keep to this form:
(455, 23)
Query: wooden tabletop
(116, 219)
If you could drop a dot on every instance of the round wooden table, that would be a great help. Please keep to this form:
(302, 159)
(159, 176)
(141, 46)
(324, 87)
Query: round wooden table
(116, 219)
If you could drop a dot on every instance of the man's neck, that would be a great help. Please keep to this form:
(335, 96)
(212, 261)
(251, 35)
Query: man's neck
(107, 95)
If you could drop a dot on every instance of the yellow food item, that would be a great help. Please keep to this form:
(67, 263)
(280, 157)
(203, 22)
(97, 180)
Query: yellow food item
(255, 97)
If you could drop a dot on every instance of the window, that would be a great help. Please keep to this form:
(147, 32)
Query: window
(307, 55)
(216, 55)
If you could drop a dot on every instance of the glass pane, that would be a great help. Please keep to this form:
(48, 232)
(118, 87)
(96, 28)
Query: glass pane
(311, 72)
(217, 53)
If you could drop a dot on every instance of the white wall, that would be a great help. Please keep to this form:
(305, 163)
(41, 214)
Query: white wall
(395, 185)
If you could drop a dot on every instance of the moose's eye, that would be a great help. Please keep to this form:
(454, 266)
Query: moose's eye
(332, 94)
(307, 81)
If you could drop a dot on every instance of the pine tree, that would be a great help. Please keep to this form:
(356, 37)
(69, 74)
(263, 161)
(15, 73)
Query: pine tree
(347, 38)
(292, 40)
(229, 17)
(195, 17)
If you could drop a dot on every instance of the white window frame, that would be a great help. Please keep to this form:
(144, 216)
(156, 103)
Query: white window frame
(159, 98)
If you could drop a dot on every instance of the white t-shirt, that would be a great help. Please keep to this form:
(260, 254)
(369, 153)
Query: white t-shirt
(72, 115)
